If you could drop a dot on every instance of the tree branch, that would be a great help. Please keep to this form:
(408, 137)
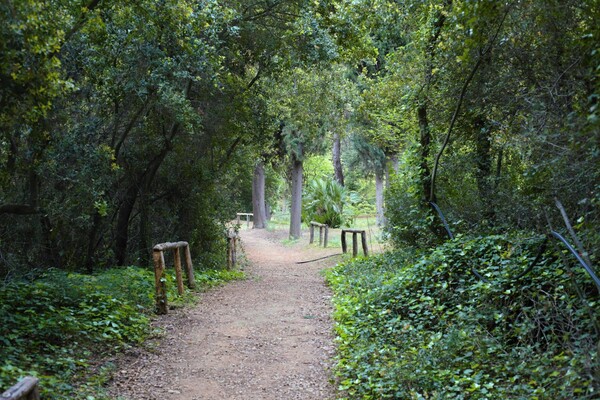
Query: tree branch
(460, 101)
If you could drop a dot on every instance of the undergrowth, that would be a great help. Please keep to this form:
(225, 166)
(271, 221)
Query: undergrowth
(423, 326)
(56, 326)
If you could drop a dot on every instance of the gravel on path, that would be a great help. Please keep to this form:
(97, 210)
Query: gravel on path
(267, 337)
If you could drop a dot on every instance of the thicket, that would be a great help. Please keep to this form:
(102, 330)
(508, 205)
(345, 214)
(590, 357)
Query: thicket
(62, 326)
(414, 325)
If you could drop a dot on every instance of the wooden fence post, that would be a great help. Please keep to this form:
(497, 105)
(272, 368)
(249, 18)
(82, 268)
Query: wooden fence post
(312, 233)
(26, 389)
(178, 272)
(363, 238)
(159, 272)
(160, 281)
(189, 268)
(364, 243)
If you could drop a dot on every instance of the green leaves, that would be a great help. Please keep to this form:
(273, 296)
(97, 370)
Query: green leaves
(423, 326)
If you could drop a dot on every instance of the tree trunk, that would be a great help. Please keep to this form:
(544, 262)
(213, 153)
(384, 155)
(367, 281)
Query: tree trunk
(122, 228)
(145, 245)
(258, 196)
(391, 165)
(483, 162)
(296, 206)
(425, 141)
(337, 159)
(379, 218)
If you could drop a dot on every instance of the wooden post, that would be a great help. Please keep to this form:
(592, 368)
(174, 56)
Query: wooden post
(364, 243)
(312, 233)
(160, 281)
(26, 389)
(321, 235)
(354, 244)
(326, 236)
(189, 268)
(344, 245)
(178, 272)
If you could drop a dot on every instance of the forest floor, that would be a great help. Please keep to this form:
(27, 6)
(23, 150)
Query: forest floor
(267, 337)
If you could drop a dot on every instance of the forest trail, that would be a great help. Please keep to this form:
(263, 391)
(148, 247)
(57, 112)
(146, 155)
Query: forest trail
(268, 337)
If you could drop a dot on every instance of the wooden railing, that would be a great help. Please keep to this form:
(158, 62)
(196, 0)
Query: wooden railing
(355, 232)
(322, 228)
(26, 389)
(159, 272)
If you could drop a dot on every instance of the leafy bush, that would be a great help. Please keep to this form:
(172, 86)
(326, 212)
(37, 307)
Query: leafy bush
(328, 202)
(424, 326)
(54, 326)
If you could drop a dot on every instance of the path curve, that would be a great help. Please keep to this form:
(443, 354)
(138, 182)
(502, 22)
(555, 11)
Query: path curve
(268, 337)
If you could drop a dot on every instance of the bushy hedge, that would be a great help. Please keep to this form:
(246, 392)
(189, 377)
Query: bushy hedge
(56, 326)
(418, 326)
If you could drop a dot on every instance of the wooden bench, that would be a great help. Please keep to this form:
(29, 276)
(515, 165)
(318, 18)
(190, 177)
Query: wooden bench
(355, 233)
(247, 215)
(322, 228)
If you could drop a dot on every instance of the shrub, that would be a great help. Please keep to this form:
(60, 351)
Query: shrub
(425, 326)
(328, 202)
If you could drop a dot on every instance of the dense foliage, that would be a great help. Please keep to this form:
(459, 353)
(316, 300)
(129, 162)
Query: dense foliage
(424, 326)
(57, 326)
(328, 202)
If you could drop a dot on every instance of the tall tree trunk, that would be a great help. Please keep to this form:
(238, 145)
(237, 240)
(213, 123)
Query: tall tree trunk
(296, 206)
(144, 248)
(379, 217)
(337, 159)
(483, 162)
(391, 165)
(258, 196)
(122, 228)
(425, 141)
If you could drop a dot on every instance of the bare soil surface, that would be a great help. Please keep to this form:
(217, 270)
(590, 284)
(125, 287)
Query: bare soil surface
(268, 337)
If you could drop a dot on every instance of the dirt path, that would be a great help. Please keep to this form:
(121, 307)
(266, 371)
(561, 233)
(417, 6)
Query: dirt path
(268, 337)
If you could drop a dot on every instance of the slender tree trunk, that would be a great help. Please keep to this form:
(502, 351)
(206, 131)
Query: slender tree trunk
(337, 159)
(425, 141)
(122, 228)
(296, 206)
(144, 249)
(258, 196)
(391, 165)
(483, 162)
(379, 217)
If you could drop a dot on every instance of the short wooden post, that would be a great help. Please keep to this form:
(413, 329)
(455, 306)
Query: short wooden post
(178, 272)
(321, 235)
(326, 236)
(189, 268)
(26, 389)
(232, 237)
(312, 233)
(364, 243)
(355, 232)
(160, 281)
